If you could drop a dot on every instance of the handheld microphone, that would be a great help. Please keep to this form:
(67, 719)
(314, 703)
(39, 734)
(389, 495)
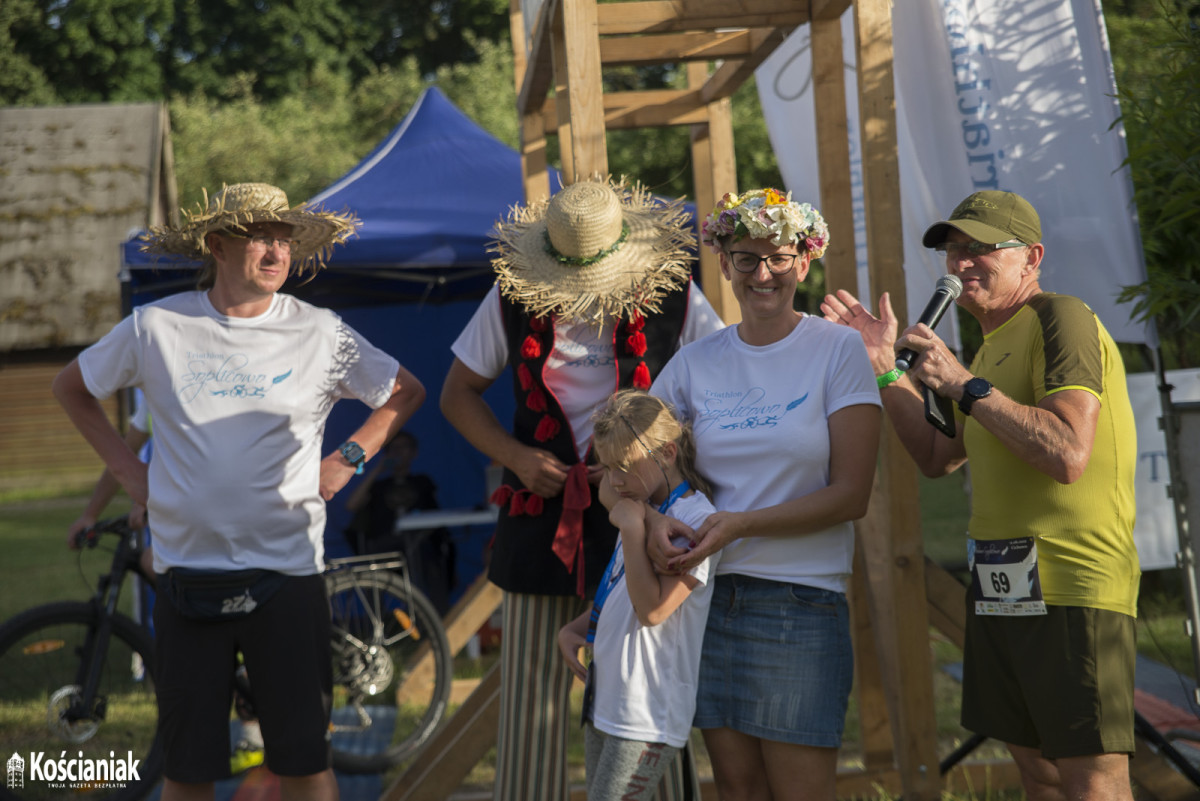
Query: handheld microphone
(949, 287)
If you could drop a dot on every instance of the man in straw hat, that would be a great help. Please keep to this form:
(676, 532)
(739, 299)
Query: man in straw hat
(1045, 423)
(593, 293)
(239, 379)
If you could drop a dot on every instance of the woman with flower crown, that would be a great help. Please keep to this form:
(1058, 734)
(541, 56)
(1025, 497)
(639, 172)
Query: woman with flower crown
(786, 415)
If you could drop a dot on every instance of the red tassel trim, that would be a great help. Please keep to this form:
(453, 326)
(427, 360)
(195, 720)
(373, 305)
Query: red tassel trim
(502, 495)
(536, 400)
(531, 348)
(636, 344)
(548, 427)
(534, 505)
(539, 324)
(641, 376)
(517, 506)
(525, 377)
(637, 322)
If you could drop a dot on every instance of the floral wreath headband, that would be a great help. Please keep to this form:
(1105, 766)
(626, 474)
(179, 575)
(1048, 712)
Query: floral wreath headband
(766, 214)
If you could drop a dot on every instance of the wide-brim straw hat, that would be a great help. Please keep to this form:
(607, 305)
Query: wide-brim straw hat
(315, 231)
(598, 249)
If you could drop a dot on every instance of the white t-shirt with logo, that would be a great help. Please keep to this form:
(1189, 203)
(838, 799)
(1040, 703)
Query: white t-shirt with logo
(580, 369)
(239, 408)
(646, 676)
(761, 420)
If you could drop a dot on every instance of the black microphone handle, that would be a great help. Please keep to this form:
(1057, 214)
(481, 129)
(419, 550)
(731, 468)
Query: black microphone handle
(941, 300)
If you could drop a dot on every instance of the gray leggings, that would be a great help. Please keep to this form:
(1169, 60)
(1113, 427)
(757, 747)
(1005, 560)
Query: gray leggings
(623, 770)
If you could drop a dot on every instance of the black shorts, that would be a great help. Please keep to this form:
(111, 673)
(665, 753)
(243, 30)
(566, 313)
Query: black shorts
(285, 647)
(1060, 682)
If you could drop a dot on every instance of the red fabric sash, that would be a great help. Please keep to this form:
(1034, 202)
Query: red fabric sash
(568, 537)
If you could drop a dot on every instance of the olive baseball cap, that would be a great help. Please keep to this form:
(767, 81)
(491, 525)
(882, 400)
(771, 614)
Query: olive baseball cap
(990, 217)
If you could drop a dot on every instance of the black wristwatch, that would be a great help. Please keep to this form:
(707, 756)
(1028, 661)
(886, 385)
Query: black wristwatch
(975, 389)
(354, 454)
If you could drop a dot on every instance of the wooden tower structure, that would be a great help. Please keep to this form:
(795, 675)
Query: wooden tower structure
(896, 592)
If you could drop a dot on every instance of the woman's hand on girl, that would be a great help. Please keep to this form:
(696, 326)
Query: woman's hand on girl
(717, 531)
(660, 530)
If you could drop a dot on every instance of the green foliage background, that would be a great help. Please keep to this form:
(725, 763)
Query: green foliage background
(296, 92)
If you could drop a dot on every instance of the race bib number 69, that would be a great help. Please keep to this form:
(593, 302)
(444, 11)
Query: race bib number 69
(1004, 577)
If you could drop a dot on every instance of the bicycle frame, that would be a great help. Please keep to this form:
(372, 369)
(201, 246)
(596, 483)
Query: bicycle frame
(108, 593)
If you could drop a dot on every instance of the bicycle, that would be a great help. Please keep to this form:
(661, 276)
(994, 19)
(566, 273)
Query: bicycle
(389, 645)
(76, 674)
(80, 673)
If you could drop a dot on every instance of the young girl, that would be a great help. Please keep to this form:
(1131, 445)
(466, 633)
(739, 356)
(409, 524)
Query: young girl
(641, 686)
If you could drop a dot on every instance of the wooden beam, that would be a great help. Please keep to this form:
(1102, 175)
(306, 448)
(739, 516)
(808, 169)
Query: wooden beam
(562, 96)
(895, 554)
(833, 161)
(732, 74)
(535, 172)
(664, 16)
(516, 30)
(659, 107)
(675, 47)
(875, 740)
(828, 9)
(455, 748)
(539, 64)
(473, 609)
(586, 142)
(947, 602)
(714, 172)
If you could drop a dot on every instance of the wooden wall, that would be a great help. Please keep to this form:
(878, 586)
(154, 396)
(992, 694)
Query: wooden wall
(39, 447)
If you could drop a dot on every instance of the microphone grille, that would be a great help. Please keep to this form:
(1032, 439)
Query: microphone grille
(951, 284)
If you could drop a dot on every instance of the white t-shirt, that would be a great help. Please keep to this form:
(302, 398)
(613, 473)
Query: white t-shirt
(760, 417)
(140, 419)
(239, 408)
(579, 370)
(646, 677)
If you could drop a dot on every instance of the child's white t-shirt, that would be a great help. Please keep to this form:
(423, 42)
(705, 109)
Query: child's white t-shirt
(645, 678)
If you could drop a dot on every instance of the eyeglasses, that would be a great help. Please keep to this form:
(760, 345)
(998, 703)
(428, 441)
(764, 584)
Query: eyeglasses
(262, 241)
(974, 248)
(746, 262)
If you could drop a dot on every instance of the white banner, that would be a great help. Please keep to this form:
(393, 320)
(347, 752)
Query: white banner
(1156, 532)
(990, 94)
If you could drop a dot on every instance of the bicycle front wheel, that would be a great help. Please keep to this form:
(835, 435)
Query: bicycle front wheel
(108, 749)
(391, 669)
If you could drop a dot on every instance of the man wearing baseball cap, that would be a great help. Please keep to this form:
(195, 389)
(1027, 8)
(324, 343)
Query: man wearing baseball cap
(1045, 421)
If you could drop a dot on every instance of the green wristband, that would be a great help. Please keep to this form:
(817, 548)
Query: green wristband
(889, 377)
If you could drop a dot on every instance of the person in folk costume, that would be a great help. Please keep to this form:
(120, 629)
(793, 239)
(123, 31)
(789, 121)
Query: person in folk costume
(593, 294)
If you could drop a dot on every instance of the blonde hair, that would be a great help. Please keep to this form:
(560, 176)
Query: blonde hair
(634, 421)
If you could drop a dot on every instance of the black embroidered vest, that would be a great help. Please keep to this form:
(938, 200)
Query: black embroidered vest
(522, 558)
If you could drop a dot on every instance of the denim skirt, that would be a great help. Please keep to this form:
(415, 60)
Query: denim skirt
(777, 662)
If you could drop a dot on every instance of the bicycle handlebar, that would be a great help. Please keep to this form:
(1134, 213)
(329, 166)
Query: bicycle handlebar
(90, 536)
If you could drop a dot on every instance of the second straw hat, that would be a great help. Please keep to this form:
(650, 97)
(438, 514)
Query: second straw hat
(598, 248)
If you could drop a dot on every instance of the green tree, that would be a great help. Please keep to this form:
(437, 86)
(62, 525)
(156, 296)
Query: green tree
(22, 82)
(275, 46)
(88, 50)
(435, 34)
(1160, 99)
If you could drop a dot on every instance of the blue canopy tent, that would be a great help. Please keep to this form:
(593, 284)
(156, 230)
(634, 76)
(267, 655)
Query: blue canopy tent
(428, 197)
